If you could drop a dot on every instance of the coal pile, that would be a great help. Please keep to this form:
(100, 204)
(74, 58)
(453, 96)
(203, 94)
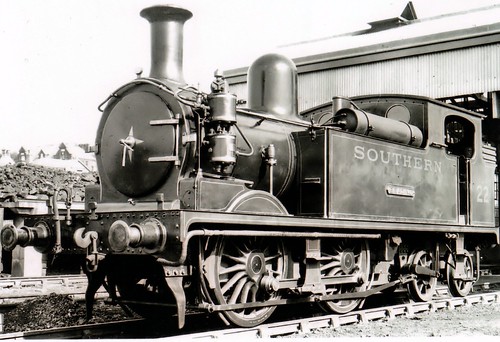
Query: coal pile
(36, 182)
(43, 313)
(56, 311)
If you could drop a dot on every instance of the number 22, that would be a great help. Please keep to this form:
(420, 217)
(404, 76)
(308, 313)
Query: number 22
(483, 195)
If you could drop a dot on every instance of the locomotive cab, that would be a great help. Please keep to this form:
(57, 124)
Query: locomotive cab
(404, 176)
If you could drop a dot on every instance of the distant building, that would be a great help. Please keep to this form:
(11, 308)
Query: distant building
(41, 154)
(23, 156)
(66, 156)
(74, 158)
(6, 159)
(63, 153)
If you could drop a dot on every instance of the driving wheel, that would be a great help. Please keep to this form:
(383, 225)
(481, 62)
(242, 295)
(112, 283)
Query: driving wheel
(341, 258)
(423, 287)
(243, 271)
(459, 287)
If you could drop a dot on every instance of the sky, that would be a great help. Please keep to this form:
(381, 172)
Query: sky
(61, 58)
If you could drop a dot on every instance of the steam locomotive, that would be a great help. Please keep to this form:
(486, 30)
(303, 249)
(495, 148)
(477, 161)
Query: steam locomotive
(208, 205)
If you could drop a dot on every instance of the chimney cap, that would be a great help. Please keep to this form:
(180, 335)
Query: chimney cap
(160, 12)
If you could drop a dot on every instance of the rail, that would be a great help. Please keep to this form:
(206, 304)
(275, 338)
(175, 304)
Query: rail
(139, 328)
(114, 329)
(305, 325)
(14, 290)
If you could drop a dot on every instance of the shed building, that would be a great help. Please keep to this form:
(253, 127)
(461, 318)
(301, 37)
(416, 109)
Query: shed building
(453, 57)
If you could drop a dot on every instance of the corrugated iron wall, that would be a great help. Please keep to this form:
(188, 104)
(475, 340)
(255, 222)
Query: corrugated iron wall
(442, 74)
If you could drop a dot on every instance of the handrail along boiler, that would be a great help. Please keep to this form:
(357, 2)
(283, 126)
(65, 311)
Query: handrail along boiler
(204, 204)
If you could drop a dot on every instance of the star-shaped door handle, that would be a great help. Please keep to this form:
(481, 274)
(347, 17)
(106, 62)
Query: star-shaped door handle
(128, 146)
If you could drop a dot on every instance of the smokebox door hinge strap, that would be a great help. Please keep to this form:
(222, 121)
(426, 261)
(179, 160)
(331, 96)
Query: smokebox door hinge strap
(175, 157)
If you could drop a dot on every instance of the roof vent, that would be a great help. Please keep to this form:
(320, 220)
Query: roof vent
(404, 18)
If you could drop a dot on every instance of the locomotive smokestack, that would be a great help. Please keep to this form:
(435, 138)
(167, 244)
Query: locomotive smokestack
(167, 24)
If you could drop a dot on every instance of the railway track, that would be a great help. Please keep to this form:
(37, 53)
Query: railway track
(140, 328)
(14, 290)
(398, 306)
(59, 280)
(127, 328)
(304, 325)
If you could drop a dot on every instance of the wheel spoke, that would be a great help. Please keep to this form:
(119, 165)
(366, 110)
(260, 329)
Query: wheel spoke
(272, 257)
(245, 249)
(237, 291)
(232, 281)
(254, 294)
(329, 265)
(245, 292)
(231, 269)
(238, 260)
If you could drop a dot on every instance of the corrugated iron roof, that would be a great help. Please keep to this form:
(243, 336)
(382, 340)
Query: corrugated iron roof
(450, 31)
(411, 29)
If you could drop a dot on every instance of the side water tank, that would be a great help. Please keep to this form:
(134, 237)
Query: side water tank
(272, 86)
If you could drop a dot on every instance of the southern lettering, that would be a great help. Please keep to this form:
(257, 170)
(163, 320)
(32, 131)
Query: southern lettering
(397, 159)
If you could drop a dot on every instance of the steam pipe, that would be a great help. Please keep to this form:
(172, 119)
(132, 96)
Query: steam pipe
(57, 219)
(167, 23)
